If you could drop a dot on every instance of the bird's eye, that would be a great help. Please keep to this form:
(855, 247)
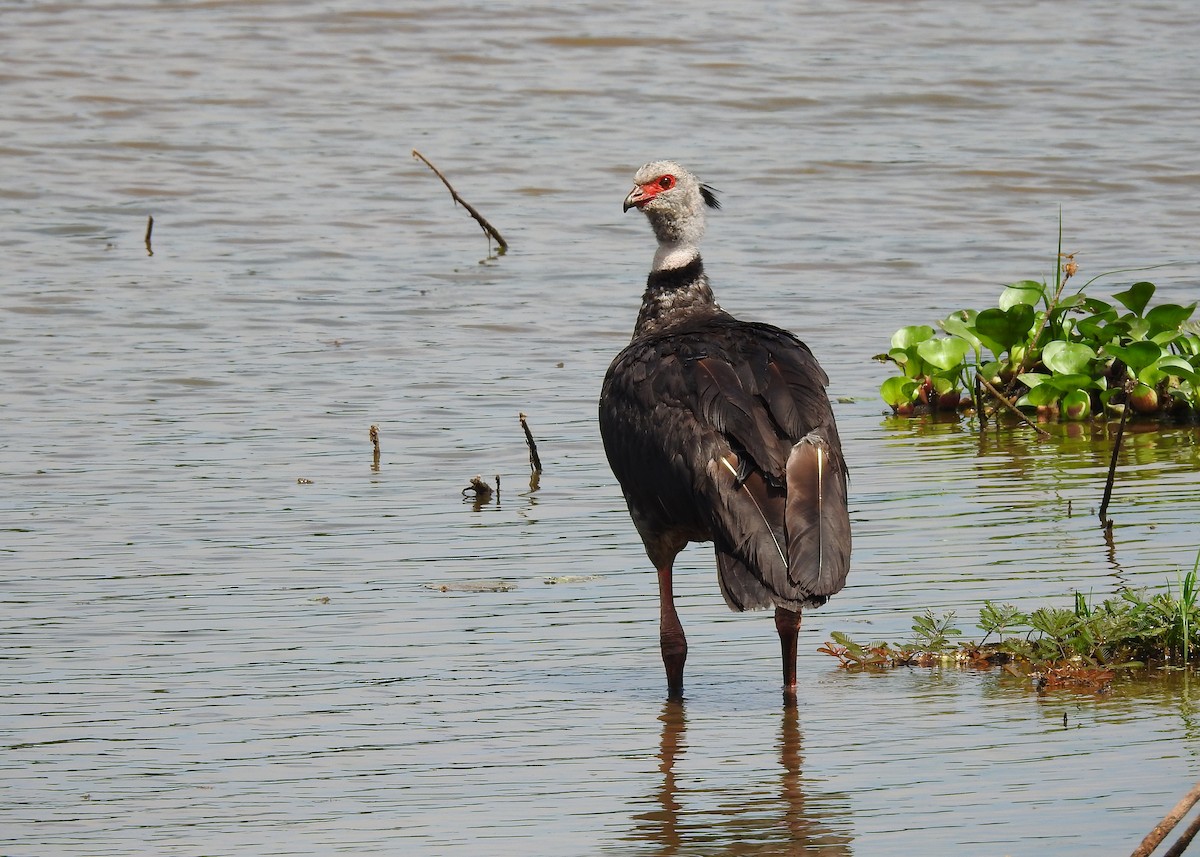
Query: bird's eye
(666, 182)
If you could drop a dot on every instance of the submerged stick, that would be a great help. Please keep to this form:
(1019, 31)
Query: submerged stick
(479, 218)
(1004, 401)
(1172, 818)
(535, 463)
(374, 435)
(149, 231)
(1184, 840)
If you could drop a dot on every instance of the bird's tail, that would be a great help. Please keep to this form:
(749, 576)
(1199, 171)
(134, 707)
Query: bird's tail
(816, 519)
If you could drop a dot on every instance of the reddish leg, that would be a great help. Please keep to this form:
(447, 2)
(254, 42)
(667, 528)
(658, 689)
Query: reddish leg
(787, 624)
(670, 635)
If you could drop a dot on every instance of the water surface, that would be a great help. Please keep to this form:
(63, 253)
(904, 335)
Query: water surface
(223, 631)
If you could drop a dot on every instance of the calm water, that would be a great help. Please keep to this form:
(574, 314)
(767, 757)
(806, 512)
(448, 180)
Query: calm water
(224, 632)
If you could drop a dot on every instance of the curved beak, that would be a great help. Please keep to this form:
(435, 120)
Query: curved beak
(637, 198)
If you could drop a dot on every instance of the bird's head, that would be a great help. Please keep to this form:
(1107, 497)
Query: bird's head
(673, 200)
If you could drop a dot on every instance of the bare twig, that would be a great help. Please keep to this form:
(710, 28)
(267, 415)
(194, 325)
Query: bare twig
(1010, 406)
(374, 435)
(479, 218)
(535, 463)
(1172, 818)
(149, 230)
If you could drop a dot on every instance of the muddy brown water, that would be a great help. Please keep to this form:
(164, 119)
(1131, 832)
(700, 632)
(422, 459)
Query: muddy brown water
(223, 632)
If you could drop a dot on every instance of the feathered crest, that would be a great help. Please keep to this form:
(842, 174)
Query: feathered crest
(710, 196)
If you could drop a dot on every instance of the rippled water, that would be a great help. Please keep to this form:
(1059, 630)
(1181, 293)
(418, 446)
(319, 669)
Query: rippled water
(224, 631)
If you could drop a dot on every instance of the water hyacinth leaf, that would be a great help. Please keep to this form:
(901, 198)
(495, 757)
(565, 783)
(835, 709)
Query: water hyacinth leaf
(1136, 297)
(1068, 383)
(1027, 292)
(1067, 358)
(1032, 379)
(946, 353)
(941, 384)
(1169, 316)
(1043, 394)
(1005, 327)
(1073, 301)
(911, 335)
(1137, 355)
(1171, 365)
(1098, 330)
(1077, 405)
(898, 391)
(956, 325)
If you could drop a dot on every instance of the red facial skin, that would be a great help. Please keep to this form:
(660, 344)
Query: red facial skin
(642, 194)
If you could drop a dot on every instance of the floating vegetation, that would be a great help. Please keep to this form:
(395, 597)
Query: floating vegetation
(1078, 647)
(473, 586)
(1043, 350)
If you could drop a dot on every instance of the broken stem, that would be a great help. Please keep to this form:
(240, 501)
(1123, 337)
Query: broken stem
(1112, 463)
(1010, 406)
(374, 434)
(149, 231)
(535, 463)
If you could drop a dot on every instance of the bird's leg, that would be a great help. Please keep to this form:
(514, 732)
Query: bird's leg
(787, 623)
(670, 634)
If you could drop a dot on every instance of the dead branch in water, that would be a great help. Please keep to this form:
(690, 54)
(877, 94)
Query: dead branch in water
(479, 218)
(1172, 818)
(374, 435)
(149, 230)
(535, 463)
(1105, 521)
(1000, 397)
(478, 489)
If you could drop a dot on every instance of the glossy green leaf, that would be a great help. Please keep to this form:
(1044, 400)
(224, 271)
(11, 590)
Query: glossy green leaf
(941, 384)
(1171, 365)
(898, 391)
(906, 336)
(1137, 355)
(1067, 358)
(1136, 297)
(1032, 379)
(1027, 292)
(1067, 383)
(1006, 327)
(1077, 405)
(1043, 394)
(1169, 316)
(947, 353)
(956, 325)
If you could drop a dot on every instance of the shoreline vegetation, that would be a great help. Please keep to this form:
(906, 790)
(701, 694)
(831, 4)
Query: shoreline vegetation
(1081, 647)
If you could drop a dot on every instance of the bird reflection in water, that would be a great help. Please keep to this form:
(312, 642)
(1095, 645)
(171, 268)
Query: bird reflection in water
(787, 819)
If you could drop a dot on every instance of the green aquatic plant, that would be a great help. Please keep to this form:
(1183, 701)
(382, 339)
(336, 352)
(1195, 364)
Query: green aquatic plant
(1081, 644)
(1046, 349)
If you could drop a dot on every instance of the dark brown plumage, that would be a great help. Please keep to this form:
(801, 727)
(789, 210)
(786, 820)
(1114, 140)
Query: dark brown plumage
(720, 430)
